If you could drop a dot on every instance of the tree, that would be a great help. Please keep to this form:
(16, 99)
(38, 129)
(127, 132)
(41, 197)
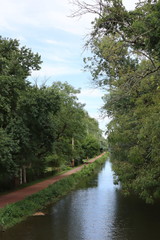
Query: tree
(69, 124)
(7, 147)
(36, 135)
(17, 61)
(25, 111)
(91, 146)
(72, 126)
(15, 65)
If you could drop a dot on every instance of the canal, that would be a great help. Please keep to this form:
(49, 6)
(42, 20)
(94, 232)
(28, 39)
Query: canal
(95, 211)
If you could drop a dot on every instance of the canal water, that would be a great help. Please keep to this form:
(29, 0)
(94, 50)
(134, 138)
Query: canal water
(95, 211)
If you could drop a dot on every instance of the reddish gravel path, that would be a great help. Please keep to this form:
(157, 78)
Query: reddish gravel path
(22, 193)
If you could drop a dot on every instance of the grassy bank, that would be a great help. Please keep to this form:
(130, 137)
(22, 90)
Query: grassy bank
(17, 212)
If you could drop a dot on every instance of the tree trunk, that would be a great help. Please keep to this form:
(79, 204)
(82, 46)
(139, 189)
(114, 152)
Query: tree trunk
(20, 176)
(24, 174)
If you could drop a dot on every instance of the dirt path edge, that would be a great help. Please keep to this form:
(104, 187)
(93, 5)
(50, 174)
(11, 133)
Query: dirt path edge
(18, 195)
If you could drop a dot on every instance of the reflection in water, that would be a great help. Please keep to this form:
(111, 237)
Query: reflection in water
(84, 213)
(96, 212)
(135, 220)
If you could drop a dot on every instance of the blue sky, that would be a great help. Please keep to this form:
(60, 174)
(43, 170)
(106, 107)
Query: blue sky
(44, 26)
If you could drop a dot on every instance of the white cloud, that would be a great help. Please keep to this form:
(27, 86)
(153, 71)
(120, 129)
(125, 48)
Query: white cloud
(41, 14)
(57, 43)
(129, 4)
(90, 93)
(56, 59)
(52, 71)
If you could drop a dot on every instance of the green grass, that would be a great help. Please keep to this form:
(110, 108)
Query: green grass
(19, 211)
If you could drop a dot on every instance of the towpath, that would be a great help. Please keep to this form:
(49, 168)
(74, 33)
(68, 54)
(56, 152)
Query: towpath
(18, 195)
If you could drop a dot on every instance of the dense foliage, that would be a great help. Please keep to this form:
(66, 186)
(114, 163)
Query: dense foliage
(126, 61)
(40, 127)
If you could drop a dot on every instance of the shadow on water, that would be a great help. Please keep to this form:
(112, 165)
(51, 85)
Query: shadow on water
(95, 211)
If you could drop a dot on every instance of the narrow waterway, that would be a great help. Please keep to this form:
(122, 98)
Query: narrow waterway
(96, 211)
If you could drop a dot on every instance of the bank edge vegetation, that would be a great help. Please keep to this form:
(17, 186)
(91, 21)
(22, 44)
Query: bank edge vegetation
(17, 212)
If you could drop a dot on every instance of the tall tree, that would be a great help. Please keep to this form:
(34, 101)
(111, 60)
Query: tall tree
(69, 124)
(25, 111)
(16, 64)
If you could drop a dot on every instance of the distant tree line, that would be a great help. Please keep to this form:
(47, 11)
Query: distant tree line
(40, 127)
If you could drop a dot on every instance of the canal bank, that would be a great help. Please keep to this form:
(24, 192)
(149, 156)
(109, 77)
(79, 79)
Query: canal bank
(17, 212)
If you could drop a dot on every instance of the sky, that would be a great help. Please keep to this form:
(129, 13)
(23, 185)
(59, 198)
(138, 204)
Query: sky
(45, 27)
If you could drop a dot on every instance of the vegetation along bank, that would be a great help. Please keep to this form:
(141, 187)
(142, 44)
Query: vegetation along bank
(19, 211)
